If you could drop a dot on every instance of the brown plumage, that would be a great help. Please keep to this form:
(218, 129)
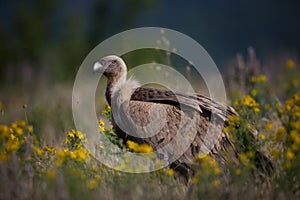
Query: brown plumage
(194, 111)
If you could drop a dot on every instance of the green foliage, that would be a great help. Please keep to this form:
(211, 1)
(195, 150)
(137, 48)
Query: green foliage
(39, 167)
(52, 37)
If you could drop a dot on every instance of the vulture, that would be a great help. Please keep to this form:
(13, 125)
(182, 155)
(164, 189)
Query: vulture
(174, 113)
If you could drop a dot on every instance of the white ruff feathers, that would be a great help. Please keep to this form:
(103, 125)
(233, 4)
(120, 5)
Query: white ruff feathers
(123, 90)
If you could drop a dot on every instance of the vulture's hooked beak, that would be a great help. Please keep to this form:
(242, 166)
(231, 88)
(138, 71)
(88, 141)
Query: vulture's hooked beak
(99, 67)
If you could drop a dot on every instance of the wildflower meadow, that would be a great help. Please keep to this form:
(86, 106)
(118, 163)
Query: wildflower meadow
(43, 156)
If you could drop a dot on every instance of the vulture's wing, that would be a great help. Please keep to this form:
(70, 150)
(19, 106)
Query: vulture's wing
(191, 103)
(205, 108)
(164, 97)
(182, 101)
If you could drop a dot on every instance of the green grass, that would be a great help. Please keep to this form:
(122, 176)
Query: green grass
(41, 157)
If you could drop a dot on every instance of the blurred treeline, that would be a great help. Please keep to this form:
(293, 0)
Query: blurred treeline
(49, 39)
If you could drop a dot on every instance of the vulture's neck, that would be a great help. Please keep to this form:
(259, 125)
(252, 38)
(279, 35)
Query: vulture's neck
(112, 83)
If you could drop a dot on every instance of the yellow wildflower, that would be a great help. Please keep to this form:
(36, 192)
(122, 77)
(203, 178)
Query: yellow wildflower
(256, 110)
(102, 128)
(216, 182)
(295, 137)
(170, 172)
(19, 131)
(76, 172)
(262, 136)
(12, 137)
(71, 134)
(295, 147)
(74, 137)
(287, 164)
(79, 154)
(249, 127)
(80, 135)
(297, 114)
(200, 156)
(132, 145)
(30, 129)
(14, 125)
(279, 108)
(67, 141)
(144, 148)
(63, 152)
(107, 110)
(12, 144)
(289, 154)
(254, 92)
(3, 156)
(236, 102)
(3, 129)
(209, 165)
(1, 106)
(261, 78)
(21, 123)
(296, 97)
(244, 159)
(194, 179)
(107, 107)
(269, 126)
(290, 64)
(217, 170)
(250, 103)
(227, 129)
(250, 154)
(258, 79)
(97, 177)
(295, 125)
(91, 184)
(234, 120)
(101, 125)
(37, 150)
(101, 122)
(289, 104)
(280, 134)
(50, 174)
(295, 82)
(49, 149)
(275, 153)
(253, 79)
(59, 162)
(238, 171)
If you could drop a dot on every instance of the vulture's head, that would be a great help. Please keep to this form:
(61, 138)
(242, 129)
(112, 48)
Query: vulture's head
(111, 66)
(115, 70)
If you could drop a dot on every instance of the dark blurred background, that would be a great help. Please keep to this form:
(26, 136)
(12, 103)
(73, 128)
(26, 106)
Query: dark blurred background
(51, 38)
(43, 43)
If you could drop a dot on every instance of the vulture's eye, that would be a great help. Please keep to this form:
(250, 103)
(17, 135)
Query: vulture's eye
(113, 63)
